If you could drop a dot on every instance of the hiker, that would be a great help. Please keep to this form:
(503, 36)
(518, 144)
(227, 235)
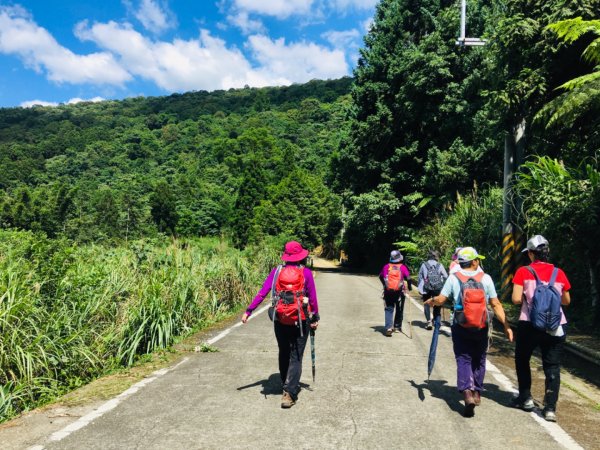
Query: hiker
(295, 311)
(454, 266)
(392, 278)
(529, 335)
(472, 291)
(431, 280)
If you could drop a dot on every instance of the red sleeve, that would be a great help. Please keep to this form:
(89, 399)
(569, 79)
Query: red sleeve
(562, 278)
(521, 275)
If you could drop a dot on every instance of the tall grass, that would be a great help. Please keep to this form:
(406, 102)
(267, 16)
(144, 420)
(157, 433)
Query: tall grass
(69, 314)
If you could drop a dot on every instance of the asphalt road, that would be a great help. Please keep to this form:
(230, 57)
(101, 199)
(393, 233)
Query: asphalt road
(370, 392)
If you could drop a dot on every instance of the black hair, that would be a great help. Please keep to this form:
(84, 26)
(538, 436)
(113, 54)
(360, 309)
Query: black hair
(434, 254)
(541, 253)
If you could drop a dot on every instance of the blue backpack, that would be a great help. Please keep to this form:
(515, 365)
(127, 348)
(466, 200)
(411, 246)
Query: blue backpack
(545, 305)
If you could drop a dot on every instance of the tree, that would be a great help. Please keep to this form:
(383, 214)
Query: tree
(163, 207)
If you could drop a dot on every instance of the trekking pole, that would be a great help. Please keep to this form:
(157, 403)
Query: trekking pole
(409, 299)
(312, 352)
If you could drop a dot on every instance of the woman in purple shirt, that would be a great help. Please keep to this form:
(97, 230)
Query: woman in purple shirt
(291, 338)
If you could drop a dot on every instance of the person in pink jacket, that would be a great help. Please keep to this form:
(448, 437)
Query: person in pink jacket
(291, 332)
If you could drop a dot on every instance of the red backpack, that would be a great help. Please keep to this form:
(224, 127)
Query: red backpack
(289, 293)
(474, 312)
(394, 278)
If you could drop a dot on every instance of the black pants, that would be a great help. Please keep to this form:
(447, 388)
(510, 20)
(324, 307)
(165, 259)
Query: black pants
(394, 300)
(528, 338)
(291, 349)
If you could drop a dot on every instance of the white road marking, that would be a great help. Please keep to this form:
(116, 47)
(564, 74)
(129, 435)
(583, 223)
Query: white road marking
(111, 404)
(552, 428)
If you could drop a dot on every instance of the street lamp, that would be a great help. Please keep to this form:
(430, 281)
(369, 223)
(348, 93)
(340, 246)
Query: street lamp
(464, 41)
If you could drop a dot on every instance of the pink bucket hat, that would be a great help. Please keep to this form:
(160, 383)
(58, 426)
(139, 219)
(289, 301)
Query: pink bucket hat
(293, 252)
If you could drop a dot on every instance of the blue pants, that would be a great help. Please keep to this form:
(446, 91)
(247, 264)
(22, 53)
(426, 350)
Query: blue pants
(470, 351)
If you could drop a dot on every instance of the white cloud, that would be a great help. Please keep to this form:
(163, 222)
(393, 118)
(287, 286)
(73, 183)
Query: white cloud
(207, 62)
(367, 24)
(297, 62)
(76, 100)
(73, 101)
(154, 16)
(21, 36)
(243, 22)
(32, 103)
(277, 8)
(342, 39)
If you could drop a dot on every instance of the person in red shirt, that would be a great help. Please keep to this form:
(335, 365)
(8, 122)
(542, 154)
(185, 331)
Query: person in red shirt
(528, 337)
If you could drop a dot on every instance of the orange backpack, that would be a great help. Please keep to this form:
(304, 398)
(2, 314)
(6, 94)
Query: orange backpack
(394, 279)
(474, 312)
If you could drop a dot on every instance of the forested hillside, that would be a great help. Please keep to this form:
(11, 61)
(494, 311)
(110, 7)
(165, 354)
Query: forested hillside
(245, 163)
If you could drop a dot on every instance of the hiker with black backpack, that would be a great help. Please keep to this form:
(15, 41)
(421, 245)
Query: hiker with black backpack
(392, 278)
(540, 288)
(295, 312)
(472, 291)
(432, 275)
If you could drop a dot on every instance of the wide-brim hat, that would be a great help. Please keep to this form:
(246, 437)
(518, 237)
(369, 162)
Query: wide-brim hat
(293, 252)
(396, 256)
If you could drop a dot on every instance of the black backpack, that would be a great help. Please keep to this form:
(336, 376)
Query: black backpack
(434, 281)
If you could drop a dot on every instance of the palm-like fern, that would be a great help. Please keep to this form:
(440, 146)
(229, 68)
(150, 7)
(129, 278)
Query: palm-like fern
(582, 94)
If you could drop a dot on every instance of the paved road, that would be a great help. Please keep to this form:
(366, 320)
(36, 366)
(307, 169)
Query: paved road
(370, 392)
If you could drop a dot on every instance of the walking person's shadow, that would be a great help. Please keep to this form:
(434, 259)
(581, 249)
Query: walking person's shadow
(440, 389)
(271, 385)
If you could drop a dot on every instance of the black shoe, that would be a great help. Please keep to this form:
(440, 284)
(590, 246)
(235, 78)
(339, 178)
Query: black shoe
(525, 405)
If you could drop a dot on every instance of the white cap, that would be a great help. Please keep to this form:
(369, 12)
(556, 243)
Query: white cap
(536, 243)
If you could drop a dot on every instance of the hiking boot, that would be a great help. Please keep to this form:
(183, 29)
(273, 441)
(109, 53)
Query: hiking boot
(429, 325)
(525, 405)
(549, 415)
(469, 403)
(287, 401)
(477, 398)
(388, 332)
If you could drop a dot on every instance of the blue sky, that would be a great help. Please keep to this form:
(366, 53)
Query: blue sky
(65, 51)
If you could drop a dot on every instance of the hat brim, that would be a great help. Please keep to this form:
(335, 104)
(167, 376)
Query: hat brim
(395, 260)
(296, 257)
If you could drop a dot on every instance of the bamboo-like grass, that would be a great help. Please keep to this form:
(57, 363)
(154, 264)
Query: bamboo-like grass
(69, 314)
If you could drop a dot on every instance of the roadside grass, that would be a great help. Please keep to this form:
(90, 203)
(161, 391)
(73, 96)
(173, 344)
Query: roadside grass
(70, 314)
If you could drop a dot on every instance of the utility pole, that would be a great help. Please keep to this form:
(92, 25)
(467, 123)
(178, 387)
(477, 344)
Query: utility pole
(514, 145)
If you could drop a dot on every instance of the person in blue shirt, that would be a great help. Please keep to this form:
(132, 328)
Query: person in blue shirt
(470, 343)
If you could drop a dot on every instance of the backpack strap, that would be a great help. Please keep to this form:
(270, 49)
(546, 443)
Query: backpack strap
(275, 276)
(535, 275)
(553, 277)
